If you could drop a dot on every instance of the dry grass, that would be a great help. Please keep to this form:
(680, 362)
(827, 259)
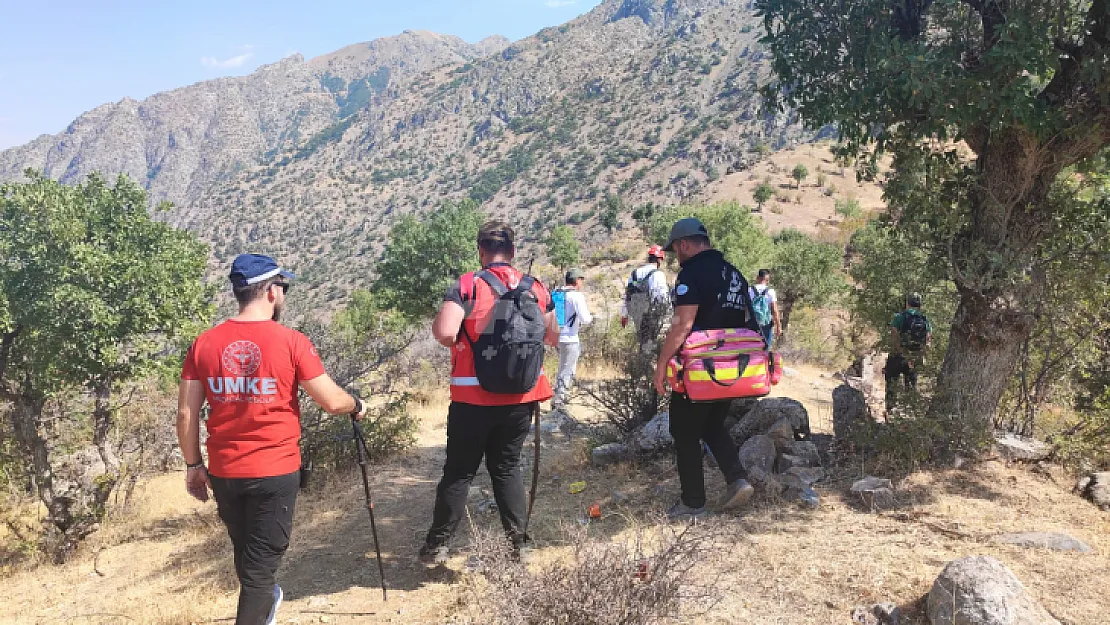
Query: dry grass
(169, 561)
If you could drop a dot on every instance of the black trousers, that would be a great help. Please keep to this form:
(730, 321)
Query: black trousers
(473, 432)
(898, 366)
(258, 513)
(692, 423)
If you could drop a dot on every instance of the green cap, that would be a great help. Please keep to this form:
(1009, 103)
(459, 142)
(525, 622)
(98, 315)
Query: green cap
(575, 273)
(689, 227)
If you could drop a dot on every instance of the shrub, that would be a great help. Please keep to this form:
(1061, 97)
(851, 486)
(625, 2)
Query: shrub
(849, 208)
(646, 579)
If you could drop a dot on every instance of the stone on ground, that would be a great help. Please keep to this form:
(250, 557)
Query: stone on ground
(558, 421)
(1096, 488)
(850, 412)
(876, 492)
(807, 451)
(1045, 540)
(1014, 447)
(610, 453)
(782, 432)
(980, 590)
(656, 434)
(757, 456)
(878, 614)
(766, 413)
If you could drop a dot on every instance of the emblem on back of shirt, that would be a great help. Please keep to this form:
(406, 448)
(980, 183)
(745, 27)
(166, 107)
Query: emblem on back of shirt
(242, 358)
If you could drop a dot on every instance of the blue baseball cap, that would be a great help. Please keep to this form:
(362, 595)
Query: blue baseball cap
(251, 269)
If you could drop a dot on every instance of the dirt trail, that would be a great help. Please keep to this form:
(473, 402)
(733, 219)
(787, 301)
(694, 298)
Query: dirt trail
(169, 560)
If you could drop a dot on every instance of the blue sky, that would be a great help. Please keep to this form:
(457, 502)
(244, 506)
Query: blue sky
(59, 59)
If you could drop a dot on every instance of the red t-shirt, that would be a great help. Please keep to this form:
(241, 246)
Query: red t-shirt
(250, 371)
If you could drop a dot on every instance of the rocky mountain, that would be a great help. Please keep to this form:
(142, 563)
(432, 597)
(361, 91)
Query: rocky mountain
(181, 142)
(636, 101)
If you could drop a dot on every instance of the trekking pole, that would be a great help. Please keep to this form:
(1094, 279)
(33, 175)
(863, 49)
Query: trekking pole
(363, 452)
(535, 466)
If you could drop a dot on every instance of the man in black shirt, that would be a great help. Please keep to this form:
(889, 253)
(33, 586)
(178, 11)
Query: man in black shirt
(710, 294)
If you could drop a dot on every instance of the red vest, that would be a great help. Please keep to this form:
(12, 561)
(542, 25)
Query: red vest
(478, 300)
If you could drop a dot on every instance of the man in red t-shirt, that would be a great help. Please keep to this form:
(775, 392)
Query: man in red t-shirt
(481, 423)
(248, 370)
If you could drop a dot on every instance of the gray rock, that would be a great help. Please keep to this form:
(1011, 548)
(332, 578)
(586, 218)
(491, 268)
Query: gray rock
(807, 451)
(876, 492)
(782, 433)
(807, 475)
(785, 462)
(980, 590)
(558, 421)
(850, 412)
(610, 453)
(656, 434)
(619, 497)
(766, 413)
(1013, 447)
(809, 498)
(1045, 540)
(757, 455)
(878, 614)
(1096, 488)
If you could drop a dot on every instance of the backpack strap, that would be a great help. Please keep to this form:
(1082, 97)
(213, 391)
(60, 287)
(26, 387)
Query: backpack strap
(495, 284)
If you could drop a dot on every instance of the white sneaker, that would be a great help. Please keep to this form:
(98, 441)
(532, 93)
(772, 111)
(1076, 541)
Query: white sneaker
(278, 596)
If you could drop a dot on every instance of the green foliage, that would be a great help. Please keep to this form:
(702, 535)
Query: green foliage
(422, 259)
(609, 216)
(763, 192)
(331, 134)
(733, 230)
(518, 160)
(848, 208)
(562, 247)
(806, 271)
(799, 174)
(91, 288)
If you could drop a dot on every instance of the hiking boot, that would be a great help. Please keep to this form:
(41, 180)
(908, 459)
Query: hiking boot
(434, 556)
(683, 512)
(278, 596)
(739, 492)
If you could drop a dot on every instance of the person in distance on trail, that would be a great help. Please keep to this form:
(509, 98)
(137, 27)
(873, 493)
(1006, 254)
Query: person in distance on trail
(765, 303)
(572, 313)
(910, 333)
(248, 369)
(646, 299)
(710, 294)
(490, 423)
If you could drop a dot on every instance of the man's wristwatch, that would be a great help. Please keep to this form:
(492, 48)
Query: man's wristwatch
(358, 404)
(197, 465)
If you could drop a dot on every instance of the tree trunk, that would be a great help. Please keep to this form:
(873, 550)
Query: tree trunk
(27, 423)
(102, 426)
(976, 370)
(786, 306)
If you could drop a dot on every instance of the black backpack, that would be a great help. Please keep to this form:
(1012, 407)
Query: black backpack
(638, 287)
(915, 331)
(508, 353)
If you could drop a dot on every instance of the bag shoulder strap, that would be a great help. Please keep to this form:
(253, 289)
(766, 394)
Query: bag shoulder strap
(526, 283)
(495, 284)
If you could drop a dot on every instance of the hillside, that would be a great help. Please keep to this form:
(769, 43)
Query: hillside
(642, 100)
(181, 142)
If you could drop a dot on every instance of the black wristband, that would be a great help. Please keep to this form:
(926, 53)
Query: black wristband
(358, 404)
(197, 465)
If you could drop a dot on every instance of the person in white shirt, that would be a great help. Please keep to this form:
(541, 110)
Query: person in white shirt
(647, 299)
(575, 316)
(766, 304)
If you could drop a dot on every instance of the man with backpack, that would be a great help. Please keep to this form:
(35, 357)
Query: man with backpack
(646, 299)
(496, 322)
(572, 314)
(710, 294)
(911, 332)
(765, 303)
(248, 369)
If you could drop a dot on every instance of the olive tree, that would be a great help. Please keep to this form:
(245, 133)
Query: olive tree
(805, 270)
(983, 104)
(93, 293)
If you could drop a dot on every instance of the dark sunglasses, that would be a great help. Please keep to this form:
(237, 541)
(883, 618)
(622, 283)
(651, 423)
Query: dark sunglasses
(284, 286)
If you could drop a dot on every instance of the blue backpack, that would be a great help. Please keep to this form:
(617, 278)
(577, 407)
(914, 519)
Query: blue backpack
(762, 305)
(559, 299)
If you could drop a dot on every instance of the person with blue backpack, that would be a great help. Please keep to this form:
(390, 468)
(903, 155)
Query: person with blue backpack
(765, 304)
(572, 314)
(911, 333)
